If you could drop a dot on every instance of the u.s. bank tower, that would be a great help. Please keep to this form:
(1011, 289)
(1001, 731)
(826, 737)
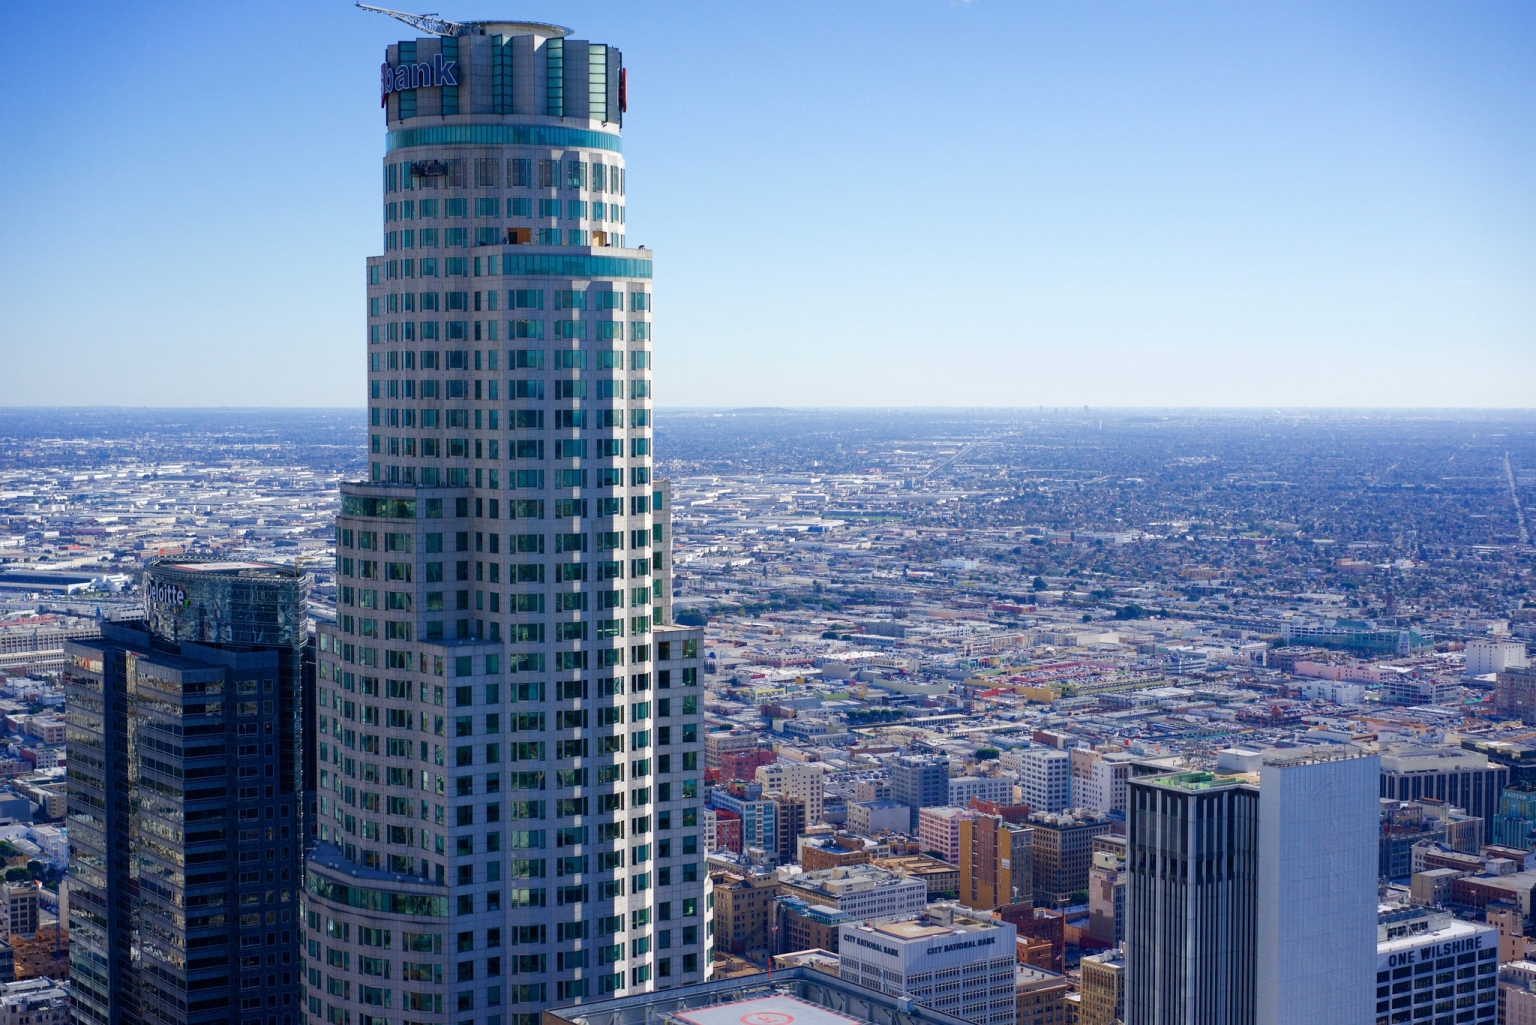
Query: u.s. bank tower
(507, 736)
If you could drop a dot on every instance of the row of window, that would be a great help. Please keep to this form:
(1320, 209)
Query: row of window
(491, 206)
(460, 448)
(518, 662)
(516, 299)
(518, 480)
(529, 779)
(340, 702)
(519, 509)
(465, 695)
(515, 810)
(481, 360)
(517, 390)
(414, 971)
(495, 173)
(528, 573)
(521, 632)
(575, 265)
(433, 541)
(572, 330)
(517, 419)
(489, 235)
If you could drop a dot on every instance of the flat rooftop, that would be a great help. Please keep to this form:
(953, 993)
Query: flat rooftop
(1455, 930)
(913, 930)
(219, 567)
(770, 1010)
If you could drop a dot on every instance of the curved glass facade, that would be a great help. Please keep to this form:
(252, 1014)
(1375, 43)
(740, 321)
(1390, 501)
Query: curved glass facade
(501, 135)
(225, 603)
(575, 266)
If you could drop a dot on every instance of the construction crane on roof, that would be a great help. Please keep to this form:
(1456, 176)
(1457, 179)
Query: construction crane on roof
(426, 22)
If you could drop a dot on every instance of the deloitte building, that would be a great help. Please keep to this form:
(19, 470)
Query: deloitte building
(508, 727)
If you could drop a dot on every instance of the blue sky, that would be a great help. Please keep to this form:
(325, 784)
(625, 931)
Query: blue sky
(883, 204)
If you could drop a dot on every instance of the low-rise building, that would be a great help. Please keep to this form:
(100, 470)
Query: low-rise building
(938, 830)
(805, 781)
(1517, 993)
(34, 1002)
(759, 824)
(867, 893)
(815, 853)
(1514, 944)
(942, 880)
(716, 744)
(22, 900)
(743, 910)
(995, 862)
(948, 958)
(1432, 887)
(1039, 996)
(1061, 852)
(1106, 890)
(727, 831)
(875, 817)
(789, 822)
(1046, 778)
(1098, 779)
(803, 926)
(997, 789)
(1415, 944)
(803, 993)
(1103, 988)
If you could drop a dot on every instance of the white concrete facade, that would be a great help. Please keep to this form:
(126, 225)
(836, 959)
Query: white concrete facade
(997, 789)
(865, 892)
(871, 818)
(1424, 958)
(1046, 780)
(949, 959)
(1101, 785)
(1316, 907)
(1494, 654)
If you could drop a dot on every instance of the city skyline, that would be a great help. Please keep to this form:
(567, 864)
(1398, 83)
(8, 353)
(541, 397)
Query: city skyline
(1299, 206)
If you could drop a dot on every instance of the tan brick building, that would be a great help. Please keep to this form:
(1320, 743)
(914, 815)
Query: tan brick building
(743, 910)
(996, 862)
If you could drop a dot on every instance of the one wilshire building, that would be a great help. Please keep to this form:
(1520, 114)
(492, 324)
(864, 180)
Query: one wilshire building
(508, 728)
(185, 761)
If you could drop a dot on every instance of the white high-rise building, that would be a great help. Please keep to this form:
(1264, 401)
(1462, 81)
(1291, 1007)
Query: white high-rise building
(509, 807)
(1099, 778)
(1316, 908)
(1046, 779)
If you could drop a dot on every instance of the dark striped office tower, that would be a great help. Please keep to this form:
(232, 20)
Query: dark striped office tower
(1191, 914)
(508, 728)
(183, 736)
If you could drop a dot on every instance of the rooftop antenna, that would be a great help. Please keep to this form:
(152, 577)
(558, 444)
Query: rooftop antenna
(426, 22)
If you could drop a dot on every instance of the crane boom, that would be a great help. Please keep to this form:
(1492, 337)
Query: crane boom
(426, 22)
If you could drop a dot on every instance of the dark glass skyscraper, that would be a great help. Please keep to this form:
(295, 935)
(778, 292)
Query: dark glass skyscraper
(184, 824)
(1191, 915)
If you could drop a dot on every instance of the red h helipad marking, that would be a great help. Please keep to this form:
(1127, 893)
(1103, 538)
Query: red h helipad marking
(767, 1018)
